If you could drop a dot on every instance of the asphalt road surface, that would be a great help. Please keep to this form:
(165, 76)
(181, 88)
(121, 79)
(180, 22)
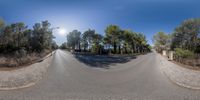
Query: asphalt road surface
(82, 77)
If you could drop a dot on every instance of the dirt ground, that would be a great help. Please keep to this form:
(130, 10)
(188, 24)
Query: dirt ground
(9, 62)
(190, 64)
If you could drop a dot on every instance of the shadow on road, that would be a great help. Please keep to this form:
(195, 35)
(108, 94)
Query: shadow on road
(103, 61)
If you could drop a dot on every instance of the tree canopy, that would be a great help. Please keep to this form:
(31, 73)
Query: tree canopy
(185, 36)
(116, 41)
(161, 41)
(74, 39)
(16, 36)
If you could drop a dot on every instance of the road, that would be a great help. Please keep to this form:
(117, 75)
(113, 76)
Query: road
(80, 77)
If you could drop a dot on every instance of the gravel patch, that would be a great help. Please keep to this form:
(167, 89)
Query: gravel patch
(24, 77)
(182, 76)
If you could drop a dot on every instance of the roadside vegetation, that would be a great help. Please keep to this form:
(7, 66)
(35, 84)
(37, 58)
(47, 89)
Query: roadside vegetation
(115, 41)
(21, 45)
(184, 41)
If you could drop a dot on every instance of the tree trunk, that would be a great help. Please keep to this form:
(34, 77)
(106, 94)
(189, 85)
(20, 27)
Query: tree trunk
(79, 46)
(115, 47)
(119, 49)
(84, 49)
(109, 50)
(132, 48)
(125, 50)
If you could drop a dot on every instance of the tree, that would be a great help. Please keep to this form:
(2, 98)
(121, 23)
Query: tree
(161, 41)
(64, 45)
(74, 39)
(187, 35)
(135, 42)
(130, 39)
(42, 36)
(88, 39)
(97, 40)
(16, 37)
(18, 34)
(142, 42)
(107, 43)
(126, 40)
(113, 33)
(54, 46)
(2, 23)
(47, 35)
(13, 37)
(28, 38)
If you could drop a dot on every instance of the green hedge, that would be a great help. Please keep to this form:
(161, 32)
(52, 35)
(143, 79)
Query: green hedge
(183, 53)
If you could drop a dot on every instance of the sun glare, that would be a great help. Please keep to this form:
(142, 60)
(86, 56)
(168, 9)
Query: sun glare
(62, 31)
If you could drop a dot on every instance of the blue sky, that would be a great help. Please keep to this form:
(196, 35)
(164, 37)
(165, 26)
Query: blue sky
(146, 16)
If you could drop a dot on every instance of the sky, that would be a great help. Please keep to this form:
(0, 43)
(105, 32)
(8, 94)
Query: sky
(145, 16)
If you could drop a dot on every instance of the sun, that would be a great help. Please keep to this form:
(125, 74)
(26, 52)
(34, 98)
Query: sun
(62, 32)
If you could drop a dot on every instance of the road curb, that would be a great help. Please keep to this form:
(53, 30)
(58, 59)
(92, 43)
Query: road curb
(24, 77)
(179, 75)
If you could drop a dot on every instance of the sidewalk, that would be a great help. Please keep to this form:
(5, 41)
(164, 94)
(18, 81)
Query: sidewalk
(24, 77)
(182, 76)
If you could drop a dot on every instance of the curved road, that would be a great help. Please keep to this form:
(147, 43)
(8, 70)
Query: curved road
(70, 77)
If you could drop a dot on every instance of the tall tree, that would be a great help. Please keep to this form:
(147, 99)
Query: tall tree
(161, 41)
(186, 36)
(13, 36)
(130, 39)
(2, 25)
(97, 41)
(113, 33)
(88, 39)
(107, 43)
(17, 37)
(42, 36)
(54, 46)
(142, 42)
(18, 34)
(64, 45)
(74, 39)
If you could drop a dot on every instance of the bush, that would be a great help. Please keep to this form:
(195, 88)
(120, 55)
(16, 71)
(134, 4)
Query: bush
(183, 53)
(21, 53)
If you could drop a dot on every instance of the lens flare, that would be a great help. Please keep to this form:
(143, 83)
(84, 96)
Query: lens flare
(62, 32)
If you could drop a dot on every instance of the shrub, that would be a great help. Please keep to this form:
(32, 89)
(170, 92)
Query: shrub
(183, 53)
(20, 53)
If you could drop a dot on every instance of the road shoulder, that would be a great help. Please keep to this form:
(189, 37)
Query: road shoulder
(24, 77)
(181, 76)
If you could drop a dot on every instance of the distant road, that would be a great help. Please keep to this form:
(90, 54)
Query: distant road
(76, 77)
